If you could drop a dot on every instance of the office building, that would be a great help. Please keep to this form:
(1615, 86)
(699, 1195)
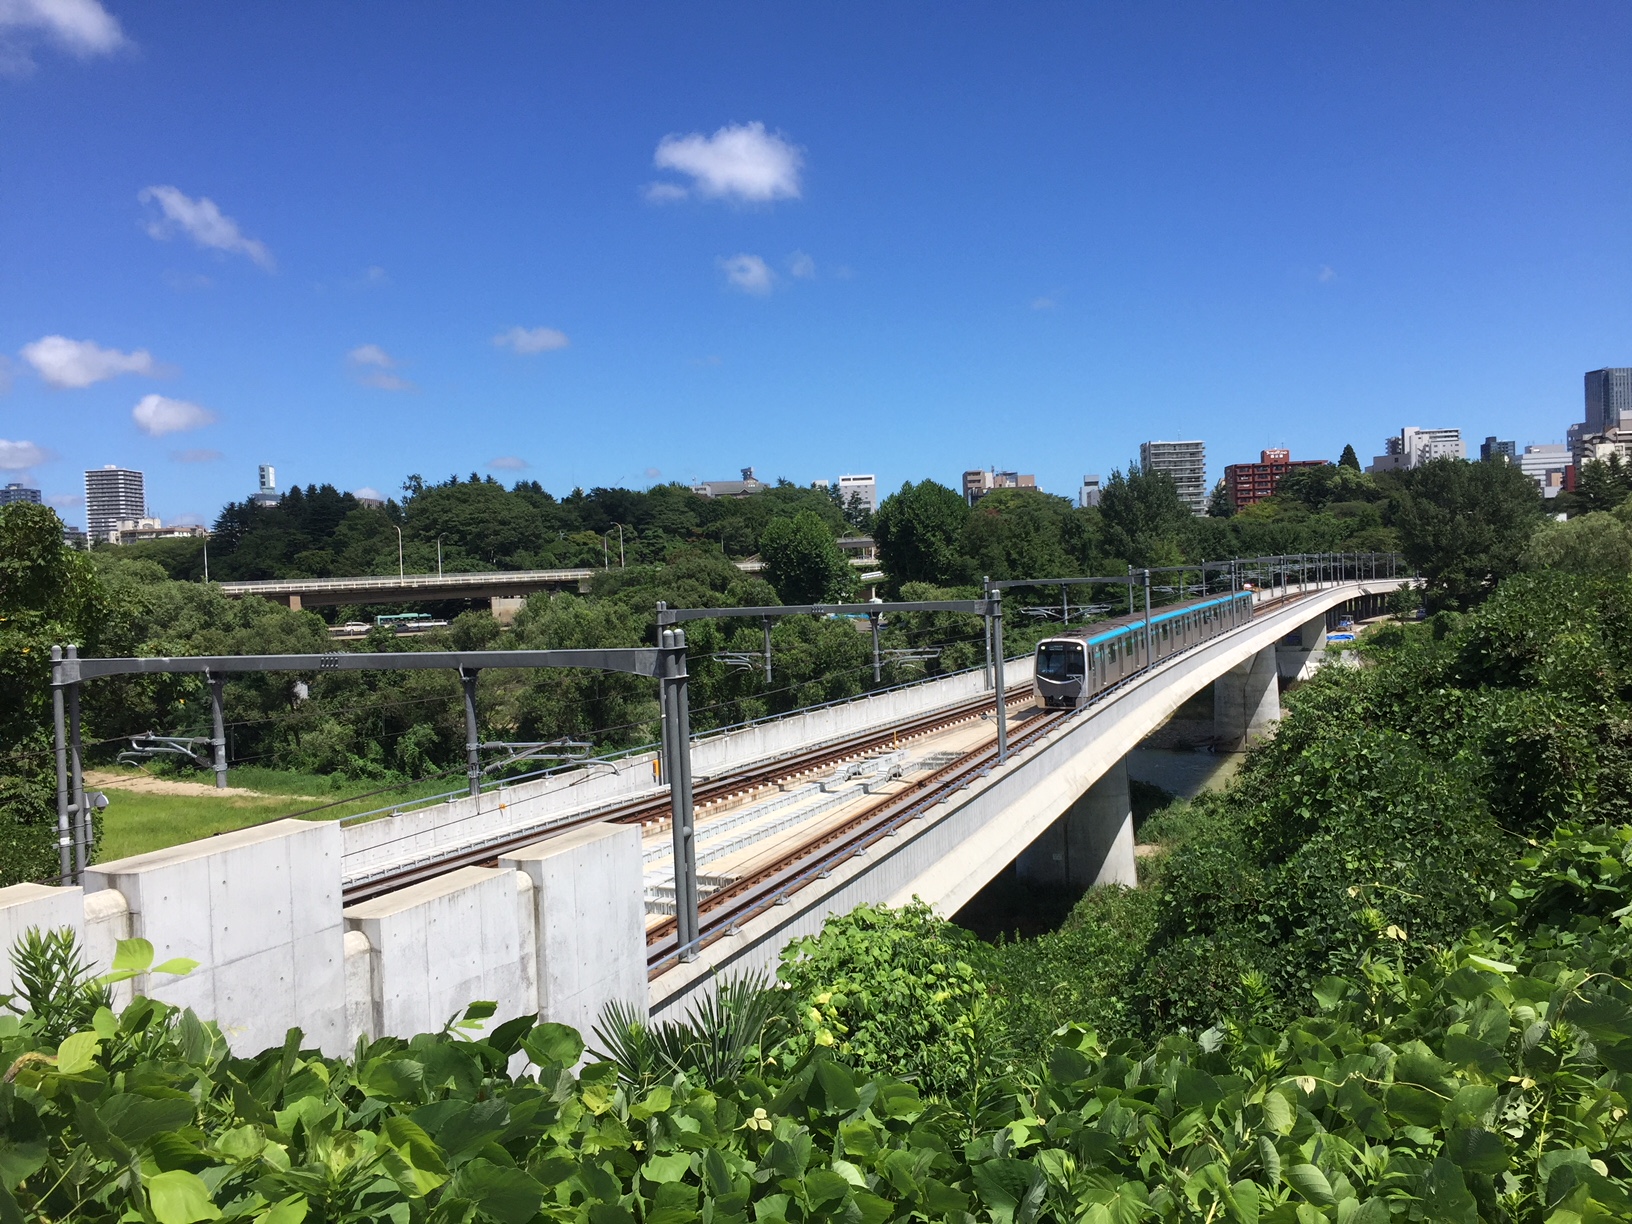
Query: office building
(1415, 447)
(861, 489)
(75, 538)
(1246, 483)
(1185, 463)
(1494, 448)
(1609, 400)
(1088, 495)
(18, 493)
(267, 493)
(976, 484)
(112, 495)
(746, 487)
(1546, 465)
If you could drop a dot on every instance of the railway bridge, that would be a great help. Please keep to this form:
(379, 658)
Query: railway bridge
(557, 894)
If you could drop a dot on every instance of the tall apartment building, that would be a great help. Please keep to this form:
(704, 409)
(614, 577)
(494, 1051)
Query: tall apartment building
(1186, 463)
(112, 495)
(976, 484)
(1246, 483)
(1494, 448)
(863, 488)
(18, 493)
(1088, 495)
(1415, 447)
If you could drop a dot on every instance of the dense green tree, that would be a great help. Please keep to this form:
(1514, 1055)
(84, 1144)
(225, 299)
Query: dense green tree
(919, 531)
(1348, 458)
(1604, 484)
(1595, 543)
(49, 596)
(1144, 518)
(1464, 525)
(1024, 533)
(1220, 504)
(802, 560)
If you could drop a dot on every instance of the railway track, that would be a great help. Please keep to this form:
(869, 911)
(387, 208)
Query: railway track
(656, 809)
(728, 908)
(724, 911)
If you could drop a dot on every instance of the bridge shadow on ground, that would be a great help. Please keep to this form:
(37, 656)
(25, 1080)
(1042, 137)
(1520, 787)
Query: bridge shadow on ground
(1012, 908)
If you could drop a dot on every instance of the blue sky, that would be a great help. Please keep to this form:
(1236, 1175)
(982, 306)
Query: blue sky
(905, 239)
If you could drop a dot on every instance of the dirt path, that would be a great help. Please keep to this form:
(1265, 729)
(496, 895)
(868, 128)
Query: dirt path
(147, 784)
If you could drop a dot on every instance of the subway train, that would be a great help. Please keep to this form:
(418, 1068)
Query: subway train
(1073, 666)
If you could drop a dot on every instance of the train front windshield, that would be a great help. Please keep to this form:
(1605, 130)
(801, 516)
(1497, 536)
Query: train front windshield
(1060, 661)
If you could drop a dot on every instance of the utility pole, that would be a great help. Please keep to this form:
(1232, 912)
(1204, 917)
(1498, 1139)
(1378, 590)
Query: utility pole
(1002, 695)
(399, 552)
(1150, 642)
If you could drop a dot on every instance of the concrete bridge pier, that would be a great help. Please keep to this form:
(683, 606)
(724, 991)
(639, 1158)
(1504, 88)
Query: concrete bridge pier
(1091, 844)
(1247, 700)
(1299, 662)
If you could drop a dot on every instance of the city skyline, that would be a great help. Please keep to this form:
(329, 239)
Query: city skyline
(595, 250)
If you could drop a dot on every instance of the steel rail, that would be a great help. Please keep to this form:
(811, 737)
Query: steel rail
(656, 808)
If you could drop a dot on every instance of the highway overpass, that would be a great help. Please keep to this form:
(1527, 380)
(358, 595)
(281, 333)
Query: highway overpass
(548, 896)
(496, 585)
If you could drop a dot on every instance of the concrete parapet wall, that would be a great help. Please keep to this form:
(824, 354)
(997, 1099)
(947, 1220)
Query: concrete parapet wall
(438, 946)
(259, 910)
(35, 905)
(393, 841)
(589, 915)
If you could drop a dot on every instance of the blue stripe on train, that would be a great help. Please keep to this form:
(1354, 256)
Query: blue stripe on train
(1155, 620)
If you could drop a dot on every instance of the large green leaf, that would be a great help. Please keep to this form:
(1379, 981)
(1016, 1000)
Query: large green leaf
(1309, 1181)
(500, 1193)
(180, 1197)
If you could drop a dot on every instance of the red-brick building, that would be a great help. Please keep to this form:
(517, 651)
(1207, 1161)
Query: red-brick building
(1246, 483)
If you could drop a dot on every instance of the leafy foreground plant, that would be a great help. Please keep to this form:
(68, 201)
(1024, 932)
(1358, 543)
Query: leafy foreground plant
(1489, 1083)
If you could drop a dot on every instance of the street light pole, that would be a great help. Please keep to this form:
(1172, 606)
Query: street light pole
(206, 558)
(439, 555)
(620, 545)
(400, 574)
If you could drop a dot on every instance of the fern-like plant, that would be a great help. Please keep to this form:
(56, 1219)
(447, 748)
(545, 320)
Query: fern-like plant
(723, 1033)
(57, 987)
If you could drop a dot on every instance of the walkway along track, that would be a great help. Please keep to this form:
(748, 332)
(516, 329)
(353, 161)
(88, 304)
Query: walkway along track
(656, 808)
(723, 912)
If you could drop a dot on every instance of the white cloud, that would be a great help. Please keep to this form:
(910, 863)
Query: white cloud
(665, 193)
(530, 340)
(749, 273)
(653, 473)
(79, 363)
(66, 501)
(157, 415)
(1043, 303)
(80, 27)
(196, 456)
(802, 265)
(201, 221)
(16, 456)
(373, 367)
(741, 162)
(367, 491)
(1326, 275)
(508, 463)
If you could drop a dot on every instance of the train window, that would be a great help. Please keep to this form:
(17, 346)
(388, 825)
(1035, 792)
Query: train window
(1060, 661)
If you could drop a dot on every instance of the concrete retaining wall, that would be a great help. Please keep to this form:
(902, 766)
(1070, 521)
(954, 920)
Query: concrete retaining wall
(260, 911)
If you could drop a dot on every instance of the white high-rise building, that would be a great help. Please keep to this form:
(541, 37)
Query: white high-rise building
(267, 494)
(862, 488)
(1415, 447)
(112, 495)
(1088, 495)
(1185, 463)
(1545, 465)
